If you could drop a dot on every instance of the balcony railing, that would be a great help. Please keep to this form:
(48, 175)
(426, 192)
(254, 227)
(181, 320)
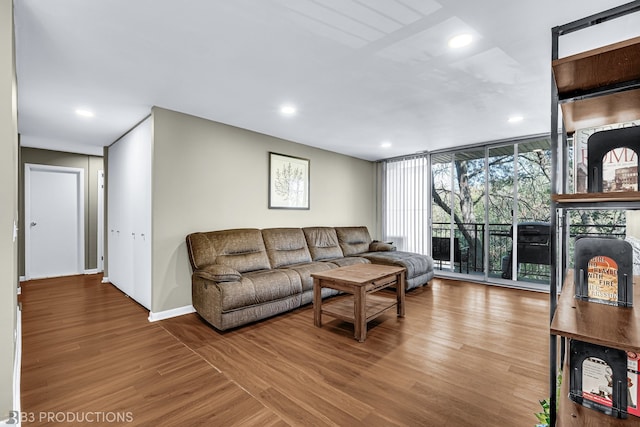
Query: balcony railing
(469, 243)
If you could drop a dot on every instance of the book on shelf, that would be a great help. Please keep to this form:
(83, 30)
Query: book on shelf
(604, 270)
(598, 378)
(617, 167)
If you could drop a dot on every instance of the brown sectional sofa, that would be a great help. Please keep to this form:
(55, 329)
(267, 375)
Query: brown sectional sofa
(244, 275)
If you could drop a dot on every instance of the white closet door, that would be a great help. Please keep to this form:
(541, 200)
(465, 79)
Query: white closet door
(120, 253)
(140, 175)
(129, 213)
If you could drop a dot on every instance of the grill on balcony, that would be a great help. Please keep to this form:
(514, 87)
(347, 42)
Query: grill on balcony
(533, 246)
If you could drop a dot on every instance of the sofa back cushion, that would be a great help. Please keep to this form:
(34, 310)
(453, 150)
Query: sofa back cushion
(322, 243)
(241, 249)
(285, 246)
(353, 240)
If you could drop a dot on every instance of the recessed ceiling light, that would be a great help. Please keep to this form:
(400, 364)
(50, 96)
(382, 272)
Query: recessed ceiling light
(461, 40)
(515, 119)
(385, 144)
(288, 110)
(84, 113)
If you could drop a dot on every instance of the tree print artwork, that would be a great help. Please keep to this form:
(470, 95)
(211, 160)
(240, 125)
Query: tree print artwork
(289, 182)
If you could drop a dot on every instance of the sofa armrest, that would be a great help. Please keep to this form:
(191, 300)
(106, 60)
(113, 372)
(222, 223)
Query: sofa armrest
(218, 273)
(377, 246)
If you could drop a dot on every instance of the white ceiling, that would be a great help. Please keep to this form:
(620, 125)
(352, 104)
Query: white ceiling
(360, 71)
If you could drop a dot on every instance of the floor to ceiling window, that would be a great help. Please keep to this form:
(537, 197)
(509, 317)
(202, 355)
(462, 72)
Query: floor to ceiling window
(483, 213)
(458, 210)
(531, 213)
(442, 183)
(501, 183)
(481, 201)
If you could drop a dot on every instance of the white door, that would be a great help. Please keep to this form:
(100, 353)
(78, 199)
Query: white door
(54, 221)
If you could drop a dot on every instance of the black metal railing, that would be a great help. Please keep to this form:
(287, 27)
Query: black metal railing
(469, 243)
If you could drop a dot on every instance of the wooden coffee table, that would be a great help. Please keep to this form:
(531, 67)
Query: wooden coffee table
(361, 281)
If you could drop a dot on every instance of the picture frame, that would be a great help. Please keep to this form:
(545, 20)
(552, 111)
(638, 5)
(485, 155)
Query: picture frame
(288, 182)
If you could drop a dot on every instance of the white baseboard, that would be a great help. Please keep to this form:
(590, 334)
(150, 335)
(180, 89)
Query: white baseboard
(180, 311)
(105, 279)
(19, 290)
(23, 278)
(17, 363)
(92, 271)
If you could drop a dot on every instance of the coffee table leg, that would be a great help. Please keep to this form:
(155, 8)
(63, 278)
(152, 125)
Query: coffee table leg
(360, 321)
(317, 303)
(400, 290)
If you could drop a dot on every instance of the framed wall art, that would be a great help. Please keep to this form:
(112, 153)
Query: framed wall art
(288, 182)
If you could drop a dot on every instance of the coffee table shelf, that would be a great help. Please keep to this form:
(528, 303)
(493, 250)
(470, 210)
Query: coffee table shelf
(341, 307)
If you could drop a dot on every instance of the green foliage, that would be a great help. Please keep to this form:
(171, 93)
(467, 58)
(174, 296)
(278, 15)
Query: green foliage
(530, 171)
(544, 417)
(461, 184)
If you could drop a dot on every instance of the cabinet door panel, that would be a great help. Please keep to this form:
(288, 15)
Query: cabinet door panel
(140, 176)
(129, 214)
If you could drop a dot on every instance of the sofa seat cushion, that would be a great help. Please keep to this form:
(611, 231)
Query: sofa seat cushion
(304, 270)
(323, 243)
(416, 264)
(285, 246)
(259, 287)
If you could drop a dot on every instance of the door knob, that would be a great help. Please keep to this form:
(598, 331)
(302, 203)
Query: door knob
(33, 223)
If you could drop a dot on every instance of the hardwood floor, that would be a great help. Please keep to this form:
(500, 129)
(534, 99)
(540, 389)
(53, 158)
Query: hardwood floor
(464, 355)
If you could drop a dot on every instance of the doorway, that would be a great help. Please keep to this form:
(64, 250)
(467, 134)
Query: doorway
(54, 221)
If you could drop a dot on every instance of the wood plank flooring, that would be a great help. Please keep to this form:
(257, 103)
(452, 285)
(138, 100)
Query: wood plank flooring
(464, 355)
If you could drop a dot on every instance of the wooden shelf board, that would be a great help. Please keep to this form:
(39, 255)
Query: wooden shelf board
(604, 66)
(601, 111)
(609, 326)
(343, 309)
(622, 196)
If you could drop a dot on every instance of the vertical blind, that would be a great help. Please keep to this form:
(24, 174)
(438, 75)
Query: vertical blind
(405, 200)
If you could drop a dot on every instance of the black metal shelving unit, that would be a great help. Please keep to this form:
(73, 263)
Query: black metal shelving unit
(622, 89)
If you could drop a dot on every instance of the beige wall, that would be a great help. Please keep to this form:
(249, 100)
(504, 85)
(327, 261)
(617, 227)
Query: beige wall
(9, 209)
(91, 166)
(210, 176)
